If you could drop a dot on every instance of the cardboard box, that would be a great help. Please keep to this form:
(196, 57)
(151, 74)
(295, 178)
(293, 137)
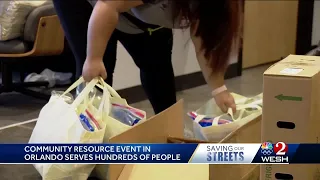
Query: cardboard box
(168, 126)
(165, 172)
(291, 111)
(254, 174)
(248, 133)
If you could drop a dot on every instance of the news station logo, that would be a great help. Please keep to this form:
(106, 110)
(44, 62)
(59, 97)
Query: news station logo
(274, 153)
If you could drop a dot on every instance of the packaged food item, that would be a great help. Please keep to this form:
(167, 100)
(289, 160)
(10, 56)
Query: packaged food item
(85, 122)
(127, 115)
(206, 121)
(92, 119)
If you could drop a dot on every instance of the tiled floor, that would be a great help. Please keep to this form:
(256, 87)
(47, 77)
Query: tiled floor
(16, 108)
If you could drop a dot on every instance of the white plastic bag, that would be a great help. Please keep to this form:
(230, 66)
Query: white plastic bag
(59, 122)
(215, 133)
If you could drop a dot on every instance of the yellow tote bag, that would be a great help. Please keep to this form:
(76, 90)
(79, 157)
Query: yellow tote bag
(216, 132)
(113, 126)
(58, 122)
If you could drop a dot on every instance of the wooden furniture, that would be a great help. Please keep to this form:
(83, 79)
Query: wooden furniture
(48, 40)
(269, 32)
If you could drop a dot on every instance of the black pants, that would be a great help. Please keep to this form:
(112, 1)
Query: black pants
(152, 54)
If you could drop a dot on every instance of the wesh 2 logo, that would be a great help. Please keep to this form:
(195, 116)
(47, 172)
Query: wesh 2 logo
(274, 153)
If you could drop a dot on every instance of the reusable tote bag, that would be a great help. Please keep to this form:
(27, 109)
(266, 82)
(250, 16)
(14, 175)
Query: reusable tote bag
(113, 127)
(59, 122)
(247, 109)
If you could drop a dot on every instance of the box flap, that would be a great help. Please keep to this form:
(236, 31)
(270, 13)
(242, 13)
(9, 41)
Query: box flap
(177, 140)
(295, 66)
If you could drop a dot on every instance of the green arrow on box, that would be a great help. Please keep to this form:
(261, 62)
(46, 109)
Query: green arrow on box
(282, 97)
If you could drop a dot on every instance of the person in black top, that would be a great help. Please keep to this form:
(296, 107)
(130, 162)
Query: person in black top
(93, 32)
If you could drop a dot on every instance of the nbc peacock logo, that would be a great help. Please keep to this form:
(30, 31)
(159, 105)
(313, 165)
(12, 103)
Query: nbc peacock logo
(266, 148)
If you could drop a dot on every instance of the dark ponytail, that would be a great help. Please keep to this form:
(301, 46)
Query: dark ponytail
(219, 23)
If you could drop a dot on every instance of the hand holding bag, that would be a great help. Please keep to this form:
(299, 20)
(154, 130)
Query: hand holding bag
(59, 122)
(243, 115)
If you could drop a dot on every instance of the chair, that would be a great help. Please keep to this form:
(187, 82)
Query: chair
(43, 36)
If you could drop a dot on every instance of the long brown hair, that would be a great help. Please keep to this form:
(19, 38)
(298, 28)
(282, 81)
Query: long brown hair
(219, 23)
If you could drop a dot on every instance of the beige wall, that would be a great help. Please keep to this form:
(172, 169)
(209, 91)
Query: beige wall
(316, 23)
(269, 31)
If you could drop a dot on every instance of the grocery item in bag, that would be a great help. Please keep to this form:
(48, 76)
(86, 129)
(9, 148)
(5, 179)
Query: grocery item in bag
(123, 113)
(86, 118)
(93, 119)
(86, 123)
(127, 115)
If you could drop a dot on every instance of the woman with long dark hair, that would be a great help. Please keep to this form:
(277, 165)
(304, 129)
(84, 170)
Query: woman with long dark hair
(144, 27)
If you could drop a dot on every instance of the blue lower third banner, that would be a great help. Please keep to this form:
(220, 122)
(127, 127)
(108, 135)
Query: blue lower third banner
(96, 153)
(266, 153)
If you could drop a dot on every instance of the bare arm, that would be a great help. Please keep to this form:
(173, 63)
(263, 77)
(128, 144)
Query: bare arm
(102, 23)
(213, 79)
